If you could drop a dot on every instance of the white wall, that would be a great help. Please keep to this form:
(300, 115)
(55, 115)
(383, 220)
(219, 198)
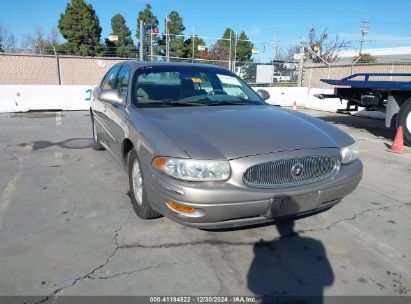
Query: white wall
(304, 97)
(23, 98)
(285, 96)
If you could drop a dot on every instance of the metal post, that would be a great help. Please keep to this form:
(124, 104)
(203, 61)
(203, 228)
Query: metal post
(272, 61)
(235, 52)
(58, 65)
(229, 55)
(142, 34)
(193, 39)
(301, 69)
(167, 40)
(151, 44)
(354, 62)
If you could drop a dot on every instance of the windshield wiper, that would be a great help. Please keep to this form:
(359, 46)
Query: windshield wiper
(225, 102)
(176, 102)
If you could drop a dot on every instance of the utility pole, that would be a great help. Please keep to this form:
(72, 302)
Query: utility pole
(364, 31)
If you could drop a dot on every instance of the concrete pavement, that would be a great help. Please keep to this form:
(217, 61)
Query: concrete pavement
(67, 226)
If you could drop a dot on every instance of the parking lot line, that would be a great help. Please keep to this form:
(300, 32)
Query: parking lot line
(58, 118)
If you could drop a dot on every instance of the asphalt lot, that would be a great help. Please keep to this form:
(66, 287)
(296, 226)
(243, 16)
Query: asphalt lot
(67, 226)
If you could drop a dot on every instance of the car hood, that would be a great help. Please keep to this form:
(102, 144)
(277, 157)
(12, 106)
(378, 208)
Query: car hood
(229, 132)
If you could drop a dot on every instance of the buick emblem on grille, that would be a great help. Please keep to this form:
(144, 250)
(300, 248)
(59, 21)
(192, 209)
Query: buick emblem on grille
(297, 170)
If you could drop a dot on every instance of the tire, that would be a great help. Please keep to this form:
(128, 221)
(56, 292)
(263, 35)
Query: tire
(136, 180)
(96, 142)
(404, 120)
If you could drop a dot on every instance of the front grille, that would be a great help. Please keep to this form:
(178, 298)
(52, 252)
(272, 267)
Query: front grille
(286, 172)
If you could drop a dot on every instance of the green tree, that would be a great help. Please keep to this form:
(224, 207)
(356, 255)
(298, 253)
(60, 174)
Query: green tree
(225, 41)
(244, 48)
(150, 21)
(148, 18)
(175, 27)
(124, 46)
(221, 50)
(188, 43)
(239, 48)
(80, 26)
(175, 24)
(365, 58)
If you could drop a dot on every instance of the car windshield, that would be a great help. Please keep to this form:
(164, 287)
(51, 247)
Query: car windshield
(190, 86)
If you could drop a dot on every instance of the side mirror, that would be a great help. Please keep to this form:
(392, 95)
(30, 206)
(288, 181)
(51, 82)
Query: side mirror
(111, 96)
(264, 95)
(96, 92)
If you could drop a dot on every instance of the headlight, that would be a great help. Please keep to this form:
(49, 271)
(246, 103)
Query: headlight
(193, 170)
(349, 154)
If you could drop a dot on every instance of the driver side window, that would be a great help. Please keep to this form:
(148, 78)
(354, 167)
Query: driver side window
(123, 81)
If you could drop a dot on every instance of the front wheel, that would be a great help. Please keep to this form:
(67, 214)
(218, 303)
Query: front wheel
(96, 141)
(137, 192)
(404, 120)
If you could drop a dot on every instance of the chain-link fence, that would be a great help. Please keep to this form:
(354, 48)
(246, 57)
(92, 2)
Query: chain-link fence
(262, 63)
(258, 62)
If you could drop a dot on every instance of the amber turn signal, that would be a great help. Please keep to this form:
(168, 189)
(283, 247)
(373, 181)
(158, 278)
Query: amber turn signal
(159, 163)
(180, 208)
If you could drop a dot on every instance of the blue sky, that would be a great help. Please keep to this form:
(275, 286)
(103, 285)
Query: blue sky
(286, 21)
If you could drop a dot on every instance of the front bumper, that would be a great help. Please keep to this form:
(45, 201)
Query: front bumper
(231, 203)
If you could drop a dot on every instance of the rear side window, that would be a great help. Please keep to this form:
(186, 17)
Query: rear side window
(110, 79)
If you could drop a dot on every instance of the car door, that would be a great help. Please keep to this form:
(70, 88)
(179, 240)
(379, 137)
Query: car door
(115, 112)
(100, 107)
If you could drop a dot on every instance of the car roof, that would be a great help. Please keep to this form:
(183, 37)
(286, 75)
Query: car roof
(134, 64)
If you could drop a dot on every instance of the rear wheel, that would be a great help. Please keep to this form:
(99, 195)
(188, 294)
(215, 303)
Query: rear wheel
(404, 120)
(97, 145)
(137, 190)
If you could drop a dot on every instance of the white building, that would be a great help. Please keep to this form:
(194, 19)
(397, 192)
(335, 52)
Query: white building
(382, 55)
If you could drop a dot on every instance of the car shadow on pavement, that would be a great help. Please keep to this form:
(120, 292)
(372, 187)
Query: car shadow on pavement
(71, 143)
(374, 126)
(291, 268)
